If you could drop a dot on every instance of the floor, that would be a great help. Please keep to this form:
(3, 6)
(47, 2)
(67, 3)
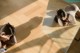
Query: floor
(33, 21)
(63, 36)
(27, 17)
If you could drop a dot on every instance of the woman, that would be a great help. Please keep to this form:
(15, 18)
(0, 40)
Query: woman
(72, 10)
(7, 37)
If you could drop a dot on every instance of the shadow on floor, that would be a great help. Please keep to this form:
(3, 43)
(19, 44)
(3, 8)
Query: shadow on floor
(7, 7)
(49, 19)
(25, 29)
(62, 50)
(40, 41)
(57, 33)
(75, 45)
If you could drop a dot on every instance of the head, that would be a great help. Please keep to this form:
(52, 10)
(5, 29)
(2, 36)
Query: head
(6, 32)
(77, 15)
(61, 13)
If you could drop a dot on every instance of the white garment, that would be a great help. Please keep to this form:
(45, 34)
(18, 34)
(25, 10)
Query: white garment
(72, 9)
(72, 18)
(60, 22)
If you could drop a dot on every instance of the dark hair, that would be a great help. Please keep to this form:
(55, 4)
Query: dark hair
(77, 16)
(60, 13)
(8, 29)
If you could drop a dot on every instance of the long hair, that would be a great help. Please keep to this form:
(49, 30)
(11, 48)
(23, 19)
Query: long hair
(60, 14)
(8, 29)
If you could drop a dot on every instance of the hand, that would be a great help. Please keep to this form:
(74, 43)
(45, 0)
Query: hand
(5, 37)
